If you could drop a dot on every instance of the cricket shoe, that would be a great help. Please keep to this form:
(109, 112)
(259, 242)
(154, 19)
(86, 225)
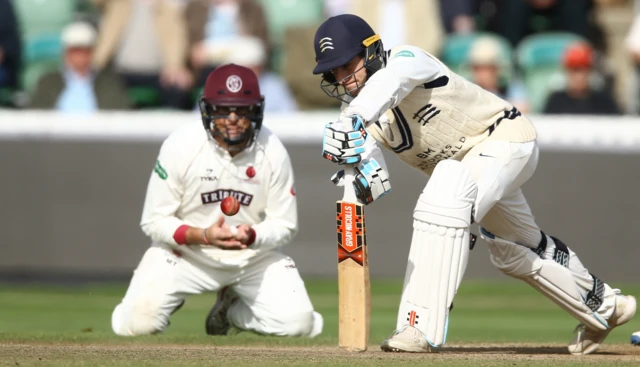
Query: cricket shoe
(408, 339)
(635, 338)
(217, 322)
(588, 341)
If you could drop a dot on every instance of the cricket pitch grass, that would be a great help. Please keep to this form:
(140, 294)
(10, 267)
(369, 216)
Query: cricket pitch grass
(492, 324)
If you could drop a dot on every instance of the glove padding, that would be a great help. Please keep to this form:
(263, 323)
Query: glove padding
(343, 141)
(371, 181)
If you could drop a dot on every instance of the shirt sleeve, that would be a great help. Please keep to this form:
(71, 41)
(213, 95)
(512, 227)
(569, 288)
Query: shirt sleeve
(632, 40)
(407, 67)
(281, 213)
(164, 197)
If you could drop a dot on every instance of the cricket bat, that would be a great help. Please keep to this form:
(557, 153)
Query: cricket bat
(354, 289)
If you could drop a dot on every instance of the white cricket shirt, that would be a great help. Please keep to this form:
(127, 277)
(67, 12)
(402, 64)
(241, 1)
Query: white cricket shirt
(193, 174)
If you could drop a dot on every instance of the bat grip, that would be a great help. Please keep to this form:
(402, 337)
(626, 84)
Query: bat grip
(349, 191)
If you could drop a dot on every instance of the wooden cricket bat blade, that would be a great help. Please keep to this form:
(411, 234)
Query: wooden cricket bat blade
(354, 289)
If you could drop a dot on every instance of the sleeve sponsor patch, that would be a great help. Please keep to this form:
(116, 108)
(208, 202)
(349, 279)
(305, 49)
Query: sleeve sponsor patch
(162, 173)
(404, 53)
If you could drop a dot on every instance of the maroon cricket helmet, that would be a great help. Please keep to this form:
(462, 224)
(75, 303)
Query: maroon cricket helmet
(232, 85)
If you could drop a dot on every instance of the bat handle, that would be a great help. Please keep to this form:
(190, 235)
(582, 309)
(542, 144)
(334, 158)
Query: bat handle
(349, 191)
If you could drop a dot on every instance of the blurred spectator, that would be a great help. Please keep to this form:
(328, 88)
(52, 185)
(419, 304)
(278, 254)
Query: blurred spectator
(521, 18)
(615, 18)
(10, 46)
(579, 97)
(146, 42)
(398, 22)
(458, 16)
(215, 25)
(77, 88)
(632, 43)
(250, 52)
(490, 69)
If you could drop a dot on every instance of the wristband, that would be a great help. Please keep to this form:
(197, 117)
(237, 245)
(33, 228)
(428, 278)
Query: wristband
(204, 235)
(252, 237)
(180, 235)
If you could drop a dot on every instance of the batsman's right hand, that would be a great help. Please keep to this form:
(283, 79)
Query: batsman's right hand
(344, 145)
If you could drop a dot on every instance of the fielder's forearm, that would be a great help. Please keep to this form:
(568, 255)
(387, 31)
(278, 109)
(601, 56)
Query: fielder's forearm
(187, 235)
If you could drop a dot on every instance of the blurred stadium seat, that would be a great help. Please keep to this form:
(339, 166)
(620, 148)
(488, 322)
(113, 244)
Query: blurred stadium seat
(282, 14)
(43, 16)
(42, 55)
(45, 46)
(41, 22)
(144, 97)
(456, 49)
(539, 56)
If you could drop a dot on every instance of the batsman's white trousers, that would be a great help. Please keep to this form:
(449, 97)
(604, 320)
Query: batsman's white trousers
(272, 296)
(499, 168)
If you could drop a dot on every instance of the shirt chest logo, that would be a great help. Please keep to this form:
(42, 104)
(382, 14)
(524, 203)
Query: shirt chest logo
(219, 195)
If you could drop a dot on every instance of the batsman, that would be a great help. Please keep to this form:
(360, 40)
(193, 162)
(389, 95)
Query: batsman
(477, 151)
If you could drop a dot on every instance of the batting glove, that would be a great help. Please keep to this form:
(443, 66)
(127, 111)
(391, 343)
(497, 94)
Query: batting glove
(371, 181)
(343, 141)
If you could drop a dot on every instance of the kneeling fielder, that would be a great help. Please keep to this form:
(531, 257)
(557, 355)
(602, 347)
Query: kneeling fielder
(194, 250)
(478, 150)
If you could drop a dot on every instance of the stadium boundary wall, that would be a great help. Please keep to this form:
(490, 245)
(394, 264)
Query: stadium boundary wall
(72, 191)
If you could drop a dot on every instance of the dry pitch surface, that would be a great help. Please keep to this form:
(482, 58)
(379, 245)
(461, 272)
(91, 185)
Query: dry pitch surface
(38, 354)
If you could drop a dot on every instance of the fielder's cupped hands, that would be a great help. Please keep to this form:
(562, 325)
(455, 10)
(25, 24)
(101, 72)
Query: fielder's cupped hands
(219, 235)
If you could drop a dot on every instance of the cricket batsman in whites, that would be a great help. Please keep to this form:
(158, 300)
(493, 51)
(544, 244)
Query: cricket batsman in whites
(196, 248)
(477, 150)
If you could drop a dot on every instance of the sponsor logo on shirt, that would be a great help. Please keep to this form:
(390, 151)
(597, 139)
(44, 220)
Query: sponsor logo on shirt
(219, 195)
(403, 53)
(162, 173)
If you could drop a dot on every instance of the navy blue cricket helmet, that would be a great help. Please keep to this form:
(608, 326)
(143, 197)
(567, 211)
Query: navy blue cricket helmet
(337, 41)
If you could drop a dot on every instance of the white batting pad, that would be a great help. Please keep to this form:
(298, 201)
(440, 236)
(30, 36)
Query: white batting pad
(439, 251)
(549, 277)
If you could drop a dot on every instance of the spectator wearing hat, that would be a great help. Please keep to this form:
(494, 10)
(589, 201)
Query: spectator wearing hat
(77, 87)
(490, 68)
(145, 41)
(215, 25)
(579, 97)
(251, 53)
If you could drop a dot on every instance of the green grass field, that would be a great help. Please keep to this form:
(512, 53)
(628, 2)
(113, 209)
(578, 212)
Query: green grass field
(492, 324)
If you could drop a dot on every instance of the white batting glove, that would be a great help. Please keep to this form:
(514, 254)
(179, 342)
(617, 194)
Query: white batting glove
(344, 140)
(371, 181)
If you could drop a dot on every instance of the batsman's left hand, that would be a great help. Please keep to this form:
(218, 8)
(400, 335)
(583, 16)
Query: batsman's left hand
(344, 140)
(371, 181)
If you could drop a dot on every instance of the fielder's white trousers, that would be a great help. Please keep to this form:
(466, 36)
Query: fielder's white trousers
(272, 296)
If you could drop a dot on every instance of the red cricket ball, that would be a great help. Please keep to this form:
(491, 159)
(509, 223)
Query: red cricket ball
(230, 206)
(251, 172)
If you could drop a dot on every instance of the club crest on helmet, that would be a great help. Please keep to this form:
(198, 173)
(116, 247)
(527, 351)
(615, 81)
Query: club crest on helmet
(234, 83)
(326, 44)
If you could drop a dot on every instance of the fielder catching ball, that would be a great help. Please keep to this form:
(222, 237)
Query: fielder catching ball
(194, 249)
(478, 150)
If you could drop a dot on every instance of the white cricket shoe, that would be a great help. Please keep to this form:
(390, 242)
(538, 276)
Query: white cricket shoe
(635, 338)
(217, 322)
(407, 339)
(588, 341)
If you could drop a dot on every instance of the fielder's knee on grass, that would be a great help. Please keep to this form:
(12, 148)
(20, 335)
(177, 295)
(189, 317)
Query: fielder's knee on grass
(296, 324)
(137, 319)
